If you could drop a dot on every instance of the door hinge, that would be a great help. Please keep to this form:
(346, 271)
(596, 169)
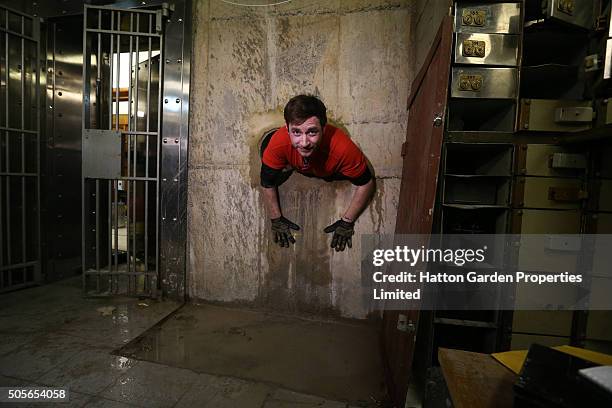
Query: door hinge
(404, 148)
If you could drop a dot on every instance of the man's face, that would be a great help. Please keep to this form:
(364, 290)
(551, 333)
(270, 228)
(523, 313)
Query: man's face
(306, 136)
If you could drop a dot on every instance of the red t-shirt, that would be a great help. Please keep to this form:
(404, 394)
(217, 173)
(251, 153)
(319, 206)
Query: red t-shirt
(335, 155)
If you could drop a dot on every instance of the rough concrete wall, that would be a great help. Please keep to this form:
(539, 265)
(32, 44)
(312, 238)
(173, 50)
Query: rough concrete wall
(247, 63)
(428, 16)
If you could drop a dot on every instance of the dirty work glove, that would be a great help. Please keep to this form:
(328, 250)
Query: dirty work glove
(343, 231)
(281, 227)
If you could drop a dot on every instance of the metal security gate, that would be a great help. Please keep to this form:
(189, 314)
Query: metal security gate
(122, 71)
(19, 150)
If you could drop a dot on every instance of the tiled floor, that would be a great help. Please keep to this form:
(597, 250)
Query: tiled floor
(52, 336)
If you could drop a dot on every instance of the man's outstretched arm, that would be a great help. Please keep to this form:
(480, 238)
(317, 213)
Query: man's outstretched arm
(272, 202)
(359, 202)
(344, 228)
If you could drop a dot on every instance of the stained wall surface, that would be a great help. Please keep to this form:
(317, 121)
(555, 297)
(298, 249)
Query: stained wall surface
(247, 63)
(427, 18)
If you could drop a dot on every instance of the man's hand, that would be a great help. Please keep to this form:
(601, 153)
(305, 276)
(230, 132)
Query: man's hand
(343, 231)
(281, 227)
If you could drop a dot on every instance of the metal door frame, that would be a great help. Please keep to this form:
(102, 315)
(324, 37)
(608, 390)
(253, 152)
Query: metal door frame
(5, 169)
(171, 176)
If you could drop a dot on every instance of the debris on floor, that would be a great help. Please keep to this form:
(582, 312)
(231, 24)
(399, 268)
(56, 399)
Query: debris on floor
(106, 310)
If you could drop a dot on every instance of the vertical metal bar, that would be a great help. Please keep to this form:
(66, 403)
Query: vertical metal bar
(97, 231)
(8, 166)
(136, 106)
(116, 182)
(98, 92)
(135, 227)
(23, 179)
(110, 225)
(38, 130)
(110, 82)
(159, 136)
(136, 69)
(118, 71)
(6, 139)
(147, 136)
(132, 139)
(83, 190)
(128, 222)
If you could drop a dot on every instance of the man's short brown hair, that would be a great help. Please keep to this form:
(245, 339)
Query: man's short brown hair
(301, 107)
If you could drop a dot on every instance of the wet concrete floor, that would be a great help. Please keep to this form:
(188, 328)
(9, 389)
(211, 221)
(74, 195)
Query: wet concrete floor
(51, 336)
(338, 360)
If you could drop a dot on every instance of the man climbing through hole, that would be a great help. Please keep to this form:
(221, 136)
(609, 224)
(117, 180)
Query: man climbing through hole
(314, 148)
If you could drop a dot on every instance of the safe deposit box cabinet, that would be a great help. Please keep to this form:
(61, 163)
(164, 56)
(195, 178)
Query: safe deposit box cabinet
(526, 147)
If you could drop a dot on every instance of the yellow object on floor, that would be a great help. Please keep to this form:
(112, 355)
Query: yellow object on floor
(514, 359)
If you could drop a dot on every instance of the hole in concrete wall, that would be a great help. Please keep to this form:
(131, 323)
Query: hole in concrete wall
(265, 140)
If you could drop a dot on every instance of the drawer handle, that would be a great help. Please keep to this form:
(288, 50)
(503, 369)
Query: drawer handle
(471, 83)
(473, 17)
(566, 194)
(473, 48)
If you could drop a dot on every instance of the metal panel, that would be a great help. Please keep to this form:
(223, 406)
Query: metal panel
(492, 83)
(173, 172)
(418, 190)
(487, 18)
(550, 193)
(607, 71)
(19, 150)
(540, 115)
(552, 323)
(547, 221)
(551, 161)
(575, 12)
(487, 49)
(62, 153)
(101, 153)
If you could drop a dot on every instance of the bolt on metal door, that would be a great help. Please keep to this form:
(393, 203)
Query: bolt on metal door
(122, 71)
(19, 150)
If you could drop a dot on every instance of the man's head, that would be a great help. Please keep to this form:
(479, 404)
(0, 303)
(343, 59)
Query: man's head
(306, 117)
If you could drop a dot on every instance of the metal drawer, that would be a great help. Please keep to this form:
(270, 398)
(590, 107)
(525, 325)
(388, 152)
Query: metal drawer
(488, 49)
(575, 12)
(476, 190)
(492, 83)
(553, 115)
(548, 192)
(552, 323)
(542, 253)
(488, 18)
(550, 160)
(530, 221)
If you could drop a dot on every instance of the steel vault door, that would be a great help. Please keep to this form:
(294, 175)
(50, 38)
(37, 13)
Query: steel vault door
(19, 150)
(122, 90)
